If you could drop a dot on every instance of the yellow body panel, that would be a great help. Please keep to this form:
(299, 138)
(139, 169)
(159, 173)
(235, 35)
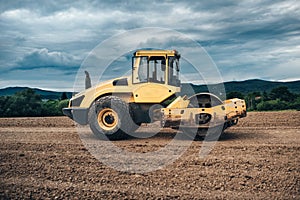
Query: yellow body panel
(99, 90)
(230, 110)
(155, 53)
(138, 93)
(187, 116)
(234, 107)
(179, 102)
(152, 92)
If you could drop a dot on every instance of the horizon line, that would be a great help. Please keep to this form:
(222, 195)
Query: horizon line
(67, 90)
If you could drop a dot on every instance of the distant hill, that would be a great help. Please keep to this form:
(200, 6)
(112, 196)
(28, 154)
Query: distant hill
(245, 87)
(260, 86)
(45, 94)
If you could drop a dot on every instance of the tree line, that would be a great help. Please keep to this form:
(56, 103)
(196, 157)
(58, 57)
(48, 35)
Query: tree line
(27, 103)
(279, 98)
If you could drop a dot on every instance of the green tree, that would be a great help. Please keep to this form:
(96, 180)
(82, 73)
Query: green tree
(63, 96)
(62, 104)
(24, 103)
(28, 104)
(3, 105)
(50, 108)
(282, 93)
(272, 105)
(265, 96)
(54, 107)
(295, 104)
(235, 94)
(252, 99)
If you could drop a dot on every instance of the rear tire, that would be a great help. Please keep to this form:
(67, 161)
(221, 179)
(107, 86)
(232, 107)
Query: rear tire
(109, 117)
(155, 113)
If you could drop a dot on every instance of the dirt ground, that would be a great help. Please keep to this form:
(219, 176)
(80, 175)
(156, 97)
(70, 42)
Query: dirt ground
(257, 159)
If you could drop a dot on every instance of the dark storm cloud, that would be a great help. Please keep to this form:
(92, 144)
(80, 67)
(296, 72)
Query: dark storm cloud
(43, 58)
(246, 39)
(43, 7)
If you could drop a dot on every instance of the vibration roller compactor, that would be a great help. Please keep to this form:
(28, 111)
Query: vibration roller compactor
(117, 107)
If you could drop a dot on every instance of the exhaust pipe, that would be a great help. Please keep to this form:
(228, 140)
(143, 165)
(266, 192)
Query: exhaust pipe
(88, 82)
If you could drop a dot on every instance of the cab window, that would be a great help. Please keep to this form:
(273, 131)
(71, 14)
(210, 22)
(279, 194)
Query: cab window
(173, 78)
(149, 69)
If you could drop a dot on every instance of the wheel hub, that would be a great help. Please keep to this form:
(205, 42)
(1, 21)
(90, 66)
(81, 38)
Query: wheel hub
(107, 119)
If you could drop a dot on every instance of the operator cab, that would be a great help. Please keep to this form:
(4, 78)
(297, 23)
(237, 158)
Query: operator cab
(156, 66)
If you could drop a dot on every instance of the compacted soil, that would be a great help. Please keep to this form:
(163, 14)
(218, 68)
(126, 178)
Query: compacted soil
(257, 159)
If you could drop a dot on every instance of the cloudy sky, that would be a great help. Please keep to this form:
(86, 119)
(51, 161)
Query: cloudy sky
(43, 43)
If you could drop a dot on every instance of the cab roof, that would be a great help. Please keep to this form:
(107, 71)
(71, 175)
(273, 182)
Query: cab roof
(156, 53)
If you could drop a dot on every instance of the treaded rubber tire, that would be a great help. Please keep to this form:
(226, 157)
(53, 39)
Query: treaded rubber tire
(154, 112)
(124, 123)
(132, 108)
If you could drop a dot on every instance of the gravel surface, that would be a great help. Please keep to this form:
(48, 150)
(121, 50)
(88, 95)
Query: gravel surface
(257, 159)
